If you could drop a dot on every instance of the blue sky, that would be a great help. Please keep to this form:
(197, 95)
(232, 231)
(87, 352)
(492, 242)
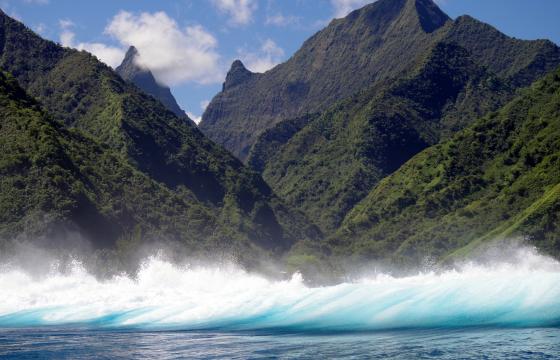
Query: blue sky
(190, 44)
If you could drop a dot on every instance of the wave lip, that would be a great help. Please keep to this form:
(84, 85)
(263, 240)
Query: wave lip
(521, 294)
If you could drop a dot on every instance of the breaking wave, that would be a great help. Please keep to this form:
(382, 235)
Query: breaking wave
(522, 293)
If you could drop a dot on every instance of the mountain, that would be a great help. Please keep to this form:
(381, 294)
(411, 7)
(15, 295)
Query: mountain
(333, 64)
(328, 165)
(350, 152)
(326, 159)
(144, 79)
(143, 169)
(497, 179)
(381, 42)
(55, 178)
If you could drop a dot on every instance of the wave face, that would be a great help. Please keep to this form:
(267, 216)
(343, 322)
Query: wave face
(522, 293)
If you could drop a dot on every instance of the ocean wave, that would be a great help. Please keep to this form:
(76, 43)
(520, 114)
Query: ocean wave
(522, 293)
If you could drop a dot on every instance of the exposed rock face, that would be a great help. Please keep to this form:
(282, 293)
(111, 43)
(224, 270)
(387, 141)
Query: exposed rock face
(144, 79)
(237, 75)
(381, 42)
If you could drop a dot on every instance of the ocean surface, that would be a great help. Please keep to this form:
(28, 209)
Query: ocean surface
(509, 310)
(84, 343)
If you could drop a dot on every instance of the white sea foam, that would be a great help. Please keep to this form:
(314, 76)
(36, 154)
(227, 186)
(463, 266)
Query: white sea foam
(522, 292)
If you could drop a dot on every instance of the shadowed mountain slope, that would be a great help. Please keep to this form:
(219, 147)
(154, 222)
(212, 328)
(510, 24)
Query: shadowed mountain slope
(328, 165)
(497, 179)
(81, 93)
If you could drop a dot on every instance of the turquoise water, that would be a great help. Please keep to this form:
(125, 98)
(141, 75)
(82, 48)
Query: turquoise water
(510, 309)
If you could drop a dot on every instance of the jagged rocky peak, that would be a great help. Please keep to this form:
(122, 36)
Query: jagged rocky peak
(404, 14)
(129, 66)
(237, 75)
(142, 77)
(130, 56)
(430, 15)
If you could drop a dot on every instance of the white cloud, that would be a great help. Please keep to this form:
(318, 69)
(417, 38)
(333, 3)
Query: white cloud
(111, 56)
(197, 118)
(266, 58)
(66, 23)
(239, 11)
(194, 118)
(344, 7)
(173, 54)
(7, 7)
(281, 20)
(40, 28)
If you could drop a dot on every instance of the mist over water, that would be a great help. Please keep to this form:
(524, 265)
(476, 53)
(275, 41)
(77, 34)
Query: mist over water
(521, 292)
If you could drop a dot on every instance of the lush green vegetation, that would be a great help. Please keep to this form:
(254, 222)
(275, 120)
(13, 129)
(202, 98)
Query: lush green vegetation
(498, 179)
(329, 165)
(520, 61)
(392, 160)
(55, 182)
(324, 158)
(52, 176)
(181, 184)
(271, 141)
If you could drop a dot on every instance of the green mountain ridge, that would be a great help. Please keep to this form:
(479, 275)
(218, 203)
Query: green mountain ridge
(358, 52)
(329, 165)
(323, 163)
(52, 176)
(519, 61)
(170, 156)
(497, 179)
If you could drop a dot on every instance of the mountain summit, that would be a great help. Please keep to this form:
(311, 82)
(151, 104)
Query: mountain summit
(237, 75)
(348, 55)
(373, 45)
(143, 78)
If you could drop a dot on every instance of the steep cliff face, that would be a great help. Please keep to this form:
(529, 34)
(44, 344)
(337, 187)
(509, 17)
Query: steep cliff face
(349, 55)
(382, 41)
(143, 78)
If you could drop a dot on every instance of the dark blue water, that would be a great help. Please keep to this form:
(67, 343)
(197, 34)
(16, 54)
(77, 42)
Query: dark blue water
(81, 343)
